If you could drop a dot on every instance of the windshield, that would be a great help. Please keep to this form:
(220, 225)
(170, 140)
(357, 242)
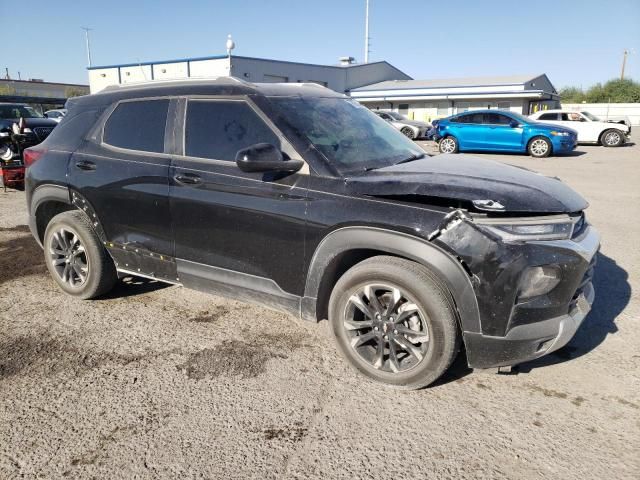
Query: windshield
(350, 136)
(18, 111)
(591, 117)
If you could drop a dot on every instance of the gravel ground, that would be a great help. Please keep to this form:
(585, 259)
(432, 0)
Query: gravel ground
(162, 382)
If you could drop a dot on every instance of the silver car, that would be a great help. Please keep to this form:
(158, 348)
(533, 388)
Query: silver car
(411, 128)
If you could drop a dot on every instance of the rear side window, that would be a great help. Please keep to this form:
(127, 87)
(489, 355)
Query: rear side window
(138, 125)
(218, 129)
(548, 116)
(471, 118)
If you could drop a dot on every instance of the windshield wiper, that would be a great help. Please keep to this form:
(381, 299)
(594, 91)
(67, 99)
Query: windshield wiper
(415, 156)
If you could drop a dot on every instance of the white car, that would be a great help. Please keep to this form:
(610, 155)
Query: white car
(411, 128)
(589, 127)
(56, 115)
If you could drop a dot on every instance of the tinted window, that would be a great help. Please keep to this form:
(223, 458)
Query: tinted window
(471, 118)
(496, 119)
(548, 116)
(218, 129)
(138, 125)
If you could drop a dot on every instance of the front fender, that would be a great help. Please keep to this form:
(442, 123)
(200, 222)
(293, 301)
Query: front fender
(395, 243)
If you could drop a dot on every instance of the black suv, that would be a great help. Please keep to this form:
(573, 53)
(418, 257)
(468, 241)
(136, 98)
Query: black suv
(303, 200)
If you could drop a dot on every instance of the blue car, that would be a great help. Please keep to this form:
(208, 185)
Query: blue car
(500, 131)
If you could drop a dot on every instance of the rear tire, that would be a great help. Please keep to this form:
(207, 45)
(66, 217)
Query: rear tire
(401, 297)
(448, 145)
(539, 147)
(76, 258)
(612, 138)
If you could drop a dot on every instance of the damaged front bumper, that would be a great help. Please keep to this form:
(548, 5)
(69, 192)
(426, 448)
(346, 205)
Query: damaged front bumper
(515, 329)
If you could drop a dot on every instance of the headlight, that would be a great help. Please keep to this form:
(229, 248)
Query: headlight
(557, 229)
(559, 134)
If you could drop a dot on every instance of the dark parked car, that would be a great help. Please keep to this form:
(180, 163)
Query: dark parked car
(301, 199)
(33, 128)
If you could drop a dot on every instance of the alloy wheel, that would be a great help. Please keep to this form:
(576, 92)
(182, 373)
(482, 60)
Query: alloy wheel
(386, 328)
(539, 147)
(612, 138)
(447, 145)
(68, 257)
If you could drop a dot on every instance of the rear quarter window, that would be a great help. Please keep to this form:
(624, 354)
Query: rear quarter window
(137, 125)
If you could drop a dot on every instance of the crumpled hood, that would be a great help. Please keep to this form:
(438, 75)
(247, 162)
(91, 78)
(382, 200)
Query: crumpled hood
(468, 178)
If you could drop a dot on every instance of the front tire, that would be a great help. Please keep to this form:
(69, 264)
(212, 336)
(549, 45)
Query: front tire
(408, 132)
(448, 145)
(394, 321)
(75, 257)
(612, 138)
(539, 147)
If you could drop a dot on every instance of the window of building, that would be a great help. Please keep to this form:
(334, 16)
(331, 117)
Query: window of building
(462, 107)
(218, 129)
(443, 109)
(403, 108)
(275, 78)
(318, 82)
(138, 125)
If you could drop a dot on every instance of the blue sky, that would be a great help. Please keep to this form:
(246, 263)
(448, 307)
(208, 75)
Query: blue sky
(574, 42)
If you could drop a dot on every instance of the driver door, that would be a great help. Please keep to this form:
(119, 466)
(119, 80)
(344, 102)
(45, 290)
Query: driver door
(234, 228)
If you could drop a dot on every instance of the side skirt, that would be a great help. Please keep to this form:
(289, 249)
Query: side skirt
(239, 286)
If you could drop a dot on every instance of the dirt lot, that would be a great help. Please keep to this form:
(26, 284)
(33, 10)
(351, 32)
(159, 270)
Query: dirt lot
(157, 381)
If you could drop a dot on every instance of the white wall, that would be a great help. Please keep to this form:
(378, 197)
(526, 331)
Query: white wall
(217, 67)
(99, 79)
(166, 71)
(134, 74)
(607, 110)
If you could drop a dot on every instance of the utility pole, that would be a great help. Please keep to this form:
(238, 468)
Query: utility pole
(624, 63)
(86, 38)
(366, 34)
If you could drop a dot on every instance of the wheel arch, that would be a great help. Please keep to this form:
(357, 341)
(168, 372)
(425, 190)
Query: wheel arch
(46, 202)
(344, 247)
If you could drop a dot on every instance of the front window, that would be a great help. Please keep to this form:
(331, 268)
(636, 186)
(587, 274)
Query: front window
(591, 117)
(349, 135)
(18, 111)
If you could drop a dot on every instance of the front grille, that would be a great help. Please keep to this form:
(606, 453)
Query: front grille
(586, 280)
(42, 132)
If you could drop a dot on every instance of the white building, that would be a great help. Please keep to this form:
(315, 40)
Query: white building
(429, 99)
(341, 78)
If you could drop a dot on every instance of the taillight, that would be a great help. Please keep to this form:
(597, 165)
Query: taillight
(32, 155)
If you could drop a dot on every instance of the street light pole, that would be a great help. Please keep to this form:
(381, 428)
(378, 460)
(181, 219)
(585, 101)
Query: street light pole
(86, 37)
(366, 34)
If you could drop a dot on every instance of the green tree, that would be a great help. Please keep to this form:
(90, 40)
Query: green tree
(75, 91)
(571, 95)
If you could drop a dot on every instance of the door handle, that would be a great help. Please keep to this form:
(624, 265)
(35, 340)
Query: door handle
(187, 179)
(85, 165)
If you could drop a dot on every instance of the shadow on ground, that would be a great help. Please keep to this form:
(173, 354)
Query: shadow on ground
(131, 286)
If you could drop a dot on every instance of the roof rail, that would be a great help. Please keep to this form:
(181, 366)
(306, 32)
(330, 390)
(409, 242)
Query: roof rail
(154, 83)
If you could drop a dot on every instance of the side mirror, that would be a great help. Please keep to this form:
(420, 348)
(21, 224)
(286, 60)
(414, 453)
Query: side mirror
(264, 157)
(514, 124)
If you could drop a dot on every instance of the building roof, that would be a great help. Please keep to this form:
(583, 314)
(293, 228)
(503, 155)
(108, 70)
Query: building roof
(450, 82)
(218, 57)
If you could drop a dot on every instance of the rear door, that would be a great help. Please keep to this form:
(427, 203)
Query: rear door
(122, 171)
(231, 227)
(470, 131)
